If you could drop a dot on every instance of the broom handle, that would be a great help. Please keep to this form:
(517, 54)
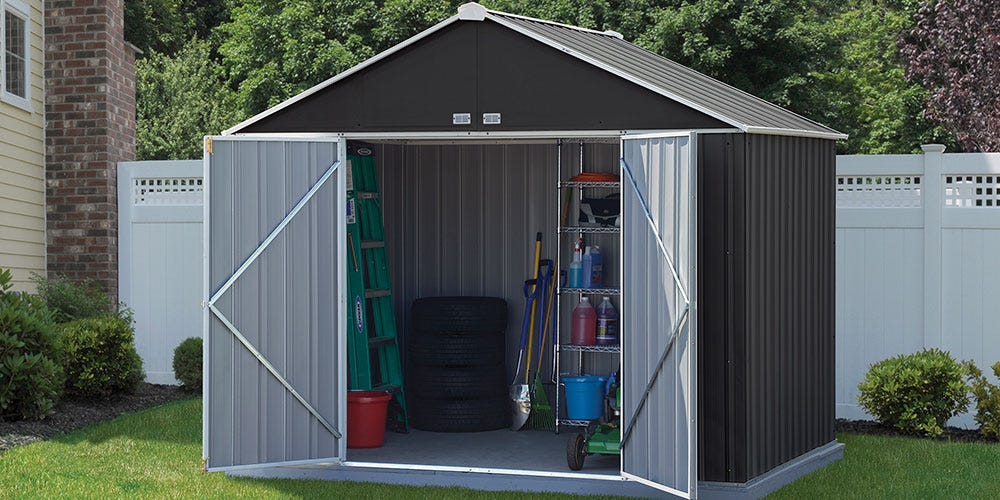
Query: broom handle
(531, 325)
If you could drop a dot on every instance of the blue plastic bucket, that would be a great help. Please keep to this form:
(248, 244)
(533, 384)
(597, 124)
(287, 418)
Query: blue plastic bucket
(584, 396)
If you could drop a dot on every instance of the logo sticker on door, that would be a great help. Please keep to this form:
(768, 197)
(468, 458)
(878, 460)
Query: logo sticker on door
(359, 313)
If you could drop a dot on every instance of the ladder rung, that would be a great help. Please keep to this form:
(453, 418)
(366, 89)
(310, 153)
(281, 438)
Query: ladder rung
(372, 244)
(377, 292)
(390, 388)
(386, 339)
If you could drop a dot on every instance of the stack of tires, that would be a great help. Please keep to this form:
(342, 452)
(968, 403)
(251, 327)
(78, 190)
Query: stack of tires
(457, 377)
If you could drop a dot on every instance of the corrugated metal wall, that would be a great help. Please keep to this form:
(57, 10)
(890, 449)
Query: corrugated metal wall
(461, 220)
(285, 304)
(659, 448)
(790, 231)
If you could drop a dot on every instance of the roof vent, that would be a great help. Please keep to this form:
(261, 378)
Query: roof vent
(614, 34)
(471, 11)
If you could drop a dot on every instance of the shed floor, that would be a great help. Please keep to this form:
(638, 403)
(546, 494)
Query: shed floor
(502, 449)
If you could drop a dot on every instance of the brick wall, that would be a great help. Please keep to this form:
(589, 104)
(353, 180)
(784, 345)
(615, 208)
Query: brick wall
(90, 127)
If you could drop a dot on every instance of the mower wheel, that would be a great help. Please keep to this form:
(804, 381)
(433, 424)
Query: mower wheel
(459, 314)
(576, 451)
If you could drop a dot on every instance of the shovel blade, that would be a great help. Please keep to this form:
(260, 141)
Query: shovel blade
(520, 396)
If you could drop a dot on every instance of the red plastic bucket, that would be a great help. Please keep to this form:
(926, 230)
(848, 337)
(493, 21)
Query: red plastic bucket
(366, 411)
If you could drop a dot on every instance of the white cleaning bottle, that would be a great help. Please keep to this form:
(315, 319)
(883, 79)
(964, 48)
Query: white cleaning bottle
(587, 268)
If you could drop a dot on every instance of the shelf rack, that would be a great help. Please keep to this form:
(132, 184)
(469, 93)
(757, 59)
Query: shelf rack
(590, 229)
(591, 291)
(580, 184)
(560, 349)
(591, 348)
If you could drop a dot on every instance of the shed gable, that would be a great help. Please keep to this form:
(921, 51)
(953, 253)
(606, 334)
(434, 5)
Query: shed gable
(476, 68)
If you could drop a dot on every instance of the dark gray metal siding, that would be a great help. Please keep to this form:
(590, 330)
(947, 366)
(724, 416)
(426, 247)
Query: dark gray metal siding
(482, 67)
(766, 288)
(790, 234)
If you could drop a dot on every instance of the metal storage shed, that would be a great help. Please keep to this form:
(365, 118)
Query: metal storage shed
(726, 246)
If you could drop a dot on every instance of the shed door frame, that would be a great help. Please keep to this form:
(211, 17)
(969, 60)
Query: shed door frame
(335, 173)
(679, 343)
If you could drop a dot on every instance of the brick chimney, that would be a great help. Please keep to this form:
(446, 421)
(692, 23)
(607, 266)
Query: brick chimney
(90, 127)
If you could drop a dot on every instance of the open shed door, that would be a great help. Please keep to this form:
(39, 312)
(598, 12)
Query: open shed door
(658, 313)
(275, 309)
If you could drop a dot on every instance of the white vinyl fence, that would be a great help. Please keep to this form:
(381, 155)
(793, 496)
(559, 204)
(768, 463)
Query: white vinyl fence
(918, 262)
(160, 263)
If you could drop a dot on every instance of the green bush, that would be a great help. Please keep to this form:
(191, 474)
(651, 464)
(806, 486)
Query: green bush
(31, 378)
(187, 364)
(915, 393)
(987, 399)
(101, 357)
(69, 300)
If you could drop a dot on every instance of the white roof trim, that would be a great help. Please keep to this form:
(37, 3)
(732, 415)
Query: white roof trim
(471, 11)
(795, 133)
(340, 76)
(608, 33)
(609, 69)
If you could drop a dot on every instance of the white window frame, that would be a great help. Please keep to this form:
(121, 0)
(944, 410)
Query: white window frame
(19, 9)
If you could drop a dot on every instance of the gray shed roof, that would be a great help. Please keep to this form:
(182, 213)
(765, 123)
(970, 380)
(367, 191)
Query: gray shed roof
(608, 51)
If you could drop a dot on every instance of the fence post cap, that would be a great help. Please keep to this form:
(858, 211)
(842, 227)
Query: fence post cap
(933, 148)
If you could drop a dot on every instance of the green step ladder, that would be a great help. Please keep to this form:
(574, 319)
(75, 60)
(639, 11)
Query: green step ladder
(373, 360)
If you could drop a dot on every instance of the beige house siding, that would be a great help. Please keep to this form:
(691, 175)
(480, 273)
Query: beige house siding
(22, 171)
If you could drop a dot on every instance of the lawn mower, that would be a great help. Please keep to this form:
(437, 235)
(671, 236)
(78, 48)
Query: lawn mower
(603, 435)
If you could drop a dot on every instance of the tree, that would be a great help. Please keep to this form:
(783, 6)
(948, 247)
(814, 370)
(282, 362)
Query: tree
(954, 51)
(274, 49)
(179, 100)
(165, 26)
(860, 88)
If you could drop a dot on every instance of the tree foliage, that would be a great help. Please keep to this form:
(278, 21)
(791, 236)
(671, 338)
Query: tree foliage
(954, 51)
(180, 100)
(165, 26)
(832, 61)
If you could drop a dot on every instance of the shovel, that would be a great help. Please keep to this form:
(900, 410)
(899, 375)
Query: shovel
(520, 392)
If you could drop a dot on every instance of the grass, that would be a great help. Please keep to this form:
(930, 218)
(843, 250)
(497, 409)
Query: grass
(899, 467)
(157, 454)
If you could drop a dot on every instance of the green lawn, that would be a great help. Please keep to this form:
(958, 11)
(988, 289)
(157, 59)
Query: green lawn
(157, 453)
(895, 467)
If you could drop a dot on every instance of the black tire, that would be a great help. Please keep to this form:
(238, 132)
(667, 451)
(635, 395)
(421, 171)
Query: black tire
(439, 415)
(458, 350)
(473, 382)
(576, 451)
(459, 314)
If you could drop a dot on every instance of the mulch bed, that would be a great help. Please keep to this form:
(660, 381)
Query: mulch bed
(953, 434)
(73, 413)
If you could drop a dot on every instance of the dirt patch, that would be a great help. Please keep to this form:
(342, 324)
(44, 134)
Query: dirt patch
(953, 434)
(73, 413)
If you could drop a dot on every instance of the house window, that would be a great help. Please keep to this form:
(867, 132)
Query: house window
(15, 63)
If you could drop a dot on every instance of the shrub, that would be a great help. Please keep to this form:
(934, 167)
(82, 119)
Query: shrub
(101, 357)
(987, 399)
(187, 364)
(915, 393)
(31, 378)
(69, 300)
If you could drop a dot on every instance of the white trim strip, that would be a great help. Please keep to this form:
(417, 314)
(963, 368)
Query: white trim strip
(291, 463)
(336, 78)
(795, 133)
(551, 23)
(651, 484)
(267, 364)
(483, 470)
(274, 232)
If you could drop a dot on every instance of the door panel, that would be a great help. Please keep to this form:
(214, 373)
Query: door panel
(658, 324)
(275, 376)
